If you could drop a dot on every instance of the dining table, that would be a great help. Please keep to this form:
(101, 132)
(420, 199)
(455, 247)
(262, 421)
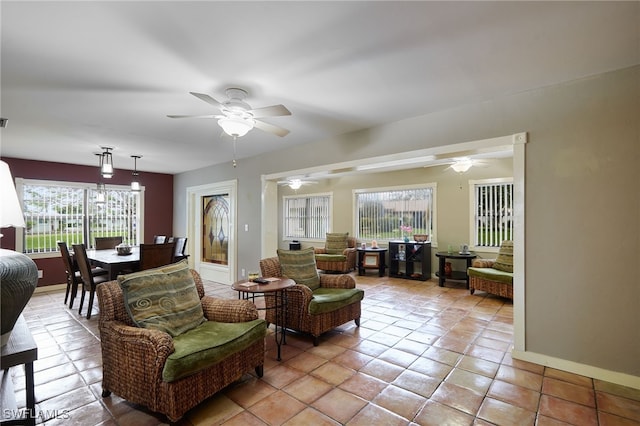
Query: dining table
(114, 262)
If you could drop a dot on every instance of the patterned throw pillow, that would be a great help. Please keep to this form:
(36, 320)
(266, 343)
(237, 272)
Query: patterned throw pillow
(300, 266)
(336, 242)
(504, 262)
(164, 299)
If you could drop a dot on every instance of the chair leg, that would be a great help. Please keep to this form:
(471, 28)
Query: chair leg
(357, 320)
(260, 370)
(81, 300)
(74, 292)
(66, 294)
(92, 292)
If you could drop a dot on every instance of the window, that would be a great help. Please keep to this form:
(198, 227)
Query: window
(307, 217)
(381, 212)
(67, 211)
(492, 214)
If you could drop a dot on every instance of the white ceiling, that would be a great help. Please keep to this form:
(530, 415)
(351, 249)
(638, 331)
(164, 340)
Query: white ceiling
(80, 75)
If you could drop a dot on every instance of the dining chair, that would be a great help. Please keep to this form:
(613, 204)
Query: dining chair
(73, 274)
(181, 245)
(154, 255)
(159, 239)
(102, 243)
(89, 281)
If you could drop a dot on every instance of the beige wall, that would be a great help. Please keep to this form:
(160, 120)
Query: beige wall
(582, 211)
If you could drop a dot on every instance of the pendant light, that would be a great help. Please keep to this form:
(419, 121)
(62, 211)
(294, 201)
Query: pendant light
(100, 194)
(106, 163)
(135, 183)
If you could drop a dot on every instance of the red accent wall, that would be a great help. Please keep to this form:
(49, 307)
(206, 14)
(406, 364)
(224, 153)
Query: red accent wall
(158, 202)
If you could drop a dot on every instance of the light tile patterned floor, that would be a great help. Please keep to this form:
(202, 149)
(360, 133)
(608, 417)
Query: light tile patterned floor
(423, 355)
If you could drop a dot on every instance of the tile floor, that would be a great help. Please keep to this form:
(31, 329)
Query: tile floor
(424, 355)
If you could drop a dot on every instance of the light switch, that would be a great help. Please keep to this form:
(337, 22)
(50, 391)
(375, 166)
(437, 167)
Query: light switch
(246, 227)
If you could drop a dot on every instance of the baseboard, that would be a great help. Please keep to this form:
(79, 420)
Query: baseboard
(577, 368)
(48, 288)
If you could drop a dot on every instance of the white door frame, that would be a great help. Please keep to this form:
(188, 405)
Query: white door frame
(225, 274)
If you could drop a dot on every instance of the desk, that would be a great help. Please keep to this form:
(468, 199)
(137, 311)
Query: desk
(20, 349)
(455, 275)
(372, 258)
(110, 260)
(277, 288)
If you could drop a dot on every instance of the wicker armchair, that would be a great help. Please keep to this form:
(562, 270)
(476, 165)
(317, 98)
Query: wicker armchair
(344, 262)
(494, 276)
(299, 296)
(133, 358)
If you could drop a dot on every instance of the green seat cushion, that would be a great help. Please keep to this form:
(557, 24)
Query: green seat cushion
(164, 299)
(491, 274)
(331, 257)
(336, 242)
(330, 299)
(208, 344)
(504, 261)
(300, 266)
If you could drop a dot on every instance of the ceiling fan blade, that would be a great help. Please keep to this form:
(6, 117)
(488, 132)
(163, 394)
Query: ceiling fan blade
(193, 116)
(270, 111)
(208, 99)
(266, 127)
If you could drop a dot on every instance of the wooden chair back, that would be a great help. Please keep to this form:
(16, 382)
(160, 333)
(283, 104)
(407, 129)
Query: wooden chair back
(154, 255)
(89, 280)
(102, 243)
(181, 245)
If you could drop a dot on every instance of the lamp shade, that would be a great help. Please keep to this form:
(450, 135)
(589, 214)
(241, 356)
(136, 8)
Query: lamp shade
(235, 126)
(10, 210)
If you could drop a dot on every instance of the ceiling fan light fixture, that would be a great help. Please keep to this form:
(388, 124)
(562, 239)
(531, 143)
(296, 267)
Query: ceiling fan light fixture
(295, 183)
(236, 126)
(462, 166)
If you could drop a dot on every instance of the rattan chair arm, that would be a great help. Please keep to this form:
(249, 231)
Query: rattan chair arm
(337, 281)
(483, 263)
(228, 310)
(141, 347)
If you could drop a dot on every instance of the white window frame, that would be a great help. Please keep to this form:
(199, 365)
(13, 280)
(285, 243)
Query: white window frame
(285, 228)
(20, 232)
(473, 209)
(434, 208)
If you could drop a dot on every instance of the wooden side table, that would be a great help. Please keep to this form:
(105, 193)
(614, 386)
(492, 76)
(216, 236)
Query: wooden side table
(20, 349)
(372, 258)
(455, 275)
(276, 286)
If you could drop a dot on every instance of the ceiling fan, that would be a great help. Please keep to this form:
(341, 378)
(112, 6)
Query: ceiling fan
(237, 117)
(461, 165)
(295, 183)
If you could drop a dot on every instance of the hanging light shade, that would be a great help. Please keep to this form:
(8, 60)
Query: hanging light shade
(135, 182)
(106, 163)
(236, 126)
(100, 194)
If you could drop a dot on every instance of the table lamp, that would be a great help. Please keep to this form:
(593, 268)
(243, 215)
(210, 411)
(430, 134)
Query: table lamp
(18, 273)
